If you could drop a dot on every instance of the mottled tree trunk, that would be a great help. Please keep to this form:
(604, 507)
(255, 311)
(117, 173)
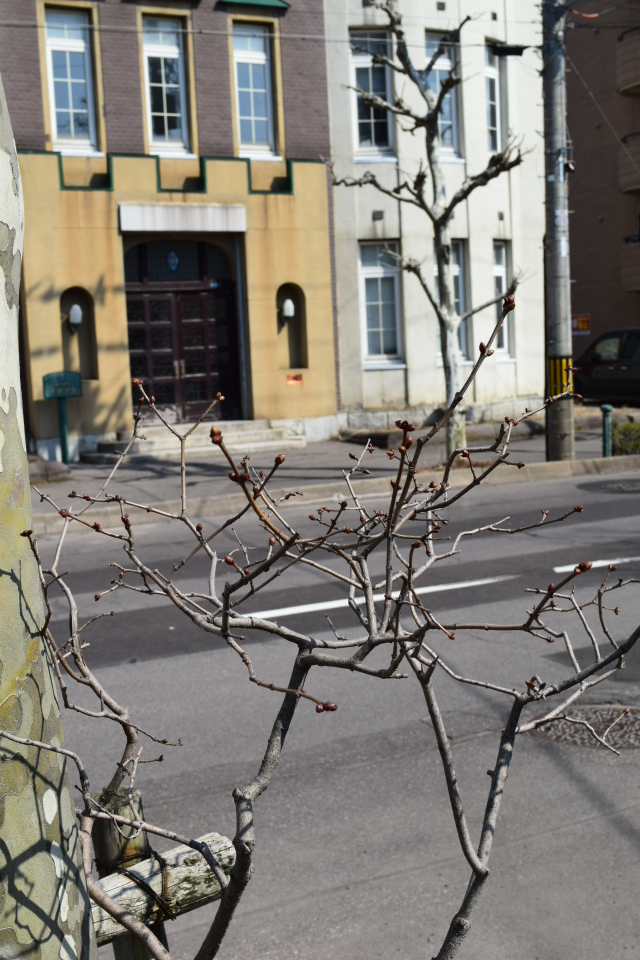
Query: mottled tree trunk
(44, 906)
(451, 357)
(449, 329)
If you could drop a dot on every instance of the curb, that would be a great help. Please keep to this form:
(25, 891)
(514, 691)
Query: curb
(49, 522)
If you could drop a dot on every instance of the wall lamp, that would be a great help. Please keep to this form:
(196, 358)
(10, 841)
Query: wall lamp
(288, 309)
(75, 318)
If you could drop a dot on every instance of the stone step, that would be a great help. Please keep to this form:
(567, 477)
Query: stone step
(161, 445)
(152, 427)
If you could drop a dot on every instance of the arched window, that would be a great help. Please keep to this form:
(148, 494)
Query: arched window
(292, 327)
(175, 261)
(79, 350)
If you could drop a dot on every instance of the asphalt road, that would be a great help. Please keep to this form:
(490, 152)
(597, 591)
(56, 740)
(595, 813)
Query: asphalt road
(357, 855)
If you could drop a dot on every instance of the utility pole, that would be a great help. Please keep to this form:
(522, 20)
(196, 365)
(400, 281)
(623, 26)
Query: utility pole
(558, 346)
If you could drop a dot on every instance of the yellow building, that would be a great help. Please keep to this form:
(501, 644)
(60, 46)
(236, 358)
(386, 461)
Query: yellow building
(197, 260)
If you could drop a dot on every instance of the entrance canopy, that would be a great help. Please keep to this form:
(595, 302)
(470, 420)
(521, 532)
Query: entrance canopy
(183, 217)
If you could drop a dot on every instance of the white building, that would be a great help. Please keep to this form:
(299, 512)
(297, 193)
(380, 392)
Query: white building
(388, 333)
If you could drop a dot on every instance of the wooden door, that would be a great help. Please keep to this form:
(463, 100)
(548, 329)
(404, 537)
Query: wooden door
(183, 344)
(153, 346)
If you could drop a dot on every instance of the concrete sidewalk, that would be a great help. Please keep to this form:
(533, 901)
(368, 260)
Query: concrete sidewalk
(316, 470)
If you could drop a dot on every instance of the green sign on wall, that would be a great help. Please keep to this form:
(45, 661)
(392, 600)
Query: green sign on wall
(59, 385)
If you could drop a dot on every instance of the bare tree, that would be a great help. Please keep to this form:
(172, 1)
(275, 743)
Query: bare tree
(399, 637)
(426, 190)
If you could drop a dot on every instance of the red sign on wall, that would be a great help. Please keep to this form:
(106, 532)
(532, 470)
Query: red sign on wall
(581, 324)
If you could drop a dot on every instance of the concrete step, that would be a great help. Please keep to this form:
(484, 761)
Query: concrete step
(152, 428)
(243, 436)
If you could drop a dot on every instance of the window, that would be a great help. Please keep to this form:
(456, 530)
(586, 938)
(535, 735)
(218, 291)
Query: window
(492, 82)
(499, 286)
(607, 350)
(448, 119)
(165, 85)
(459, 292)
(373, 124)
(380, 298)
(70, 80)
(254, 98)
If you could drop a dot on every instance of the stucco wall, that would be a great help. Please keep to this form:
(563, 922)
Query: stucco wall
(518, 196)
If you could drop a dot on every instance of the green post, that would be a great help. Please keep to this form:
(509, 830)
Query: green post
(606, 429)
(63, 428)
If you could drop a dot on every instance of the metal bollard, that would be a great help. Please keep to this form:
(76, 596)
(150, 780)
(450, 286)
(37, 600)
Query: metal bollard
(606, 429)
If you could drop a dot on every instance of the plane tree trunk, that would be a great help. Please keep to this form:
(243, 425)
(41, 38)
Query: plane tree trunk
(44, 906)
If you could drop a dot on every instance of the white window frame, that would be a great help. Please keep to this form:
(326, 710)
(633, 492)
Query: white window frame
(444, 65)
(492, 76)
(504, 340)
(157, 147)
(75, 146)
(256, 151)
(459, 271)
(359, 59)
(381, 270)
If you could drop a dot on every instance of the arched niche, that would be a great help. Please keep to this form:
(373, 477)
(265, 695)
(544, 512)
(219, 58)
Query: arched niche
(79, 349)
(292, 327)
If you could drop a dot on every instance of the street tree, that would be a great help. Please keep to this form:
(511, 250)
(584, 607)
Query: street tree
(44, 906)
(426, 188)
(381, 557)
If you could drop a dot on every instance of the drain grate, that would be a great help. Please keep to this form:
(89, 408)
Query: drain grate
(624, 736)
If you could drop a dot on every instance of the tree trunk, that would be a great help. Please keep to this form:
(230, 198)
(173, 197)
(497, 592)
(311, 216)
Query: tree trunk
(451, 356)
(449, 327)
(44, 906)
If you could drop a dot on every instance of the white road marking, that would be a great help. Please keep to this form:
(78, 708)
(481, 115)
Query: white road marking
(337, 604)
(567, 568)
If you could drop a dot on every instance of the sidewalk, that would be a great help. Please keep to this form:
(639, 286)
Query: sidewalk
(315, 469)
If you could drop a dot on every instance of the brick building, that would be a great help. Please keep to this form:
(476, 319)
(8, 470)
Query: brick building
(176, 205)
(604, 56)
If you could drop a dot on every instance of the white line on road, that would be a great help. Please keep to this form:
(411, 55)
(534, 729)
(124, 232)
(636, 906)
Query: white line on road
(336, 604)
(568, 567)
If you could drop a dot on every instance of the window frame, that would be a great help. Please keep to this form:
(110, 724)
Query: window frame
(167, 148)
(360, 58)
(454, 150)
(492, 73)
(256, 151)
(382, 361)
(75, 146)
(459, 270)
(504, 339)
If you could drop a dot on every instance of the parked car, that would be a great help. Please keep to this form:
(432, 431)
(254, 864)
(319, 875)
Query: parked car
(610, 368)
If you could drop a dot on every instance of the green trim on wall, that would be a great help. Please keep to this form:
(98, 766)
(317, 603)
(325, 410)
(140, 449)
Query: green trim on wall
(202, 189)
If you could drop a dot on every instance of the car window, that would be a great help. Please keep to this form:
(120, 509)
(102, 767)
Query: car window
(630, 345)
(607, 350)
